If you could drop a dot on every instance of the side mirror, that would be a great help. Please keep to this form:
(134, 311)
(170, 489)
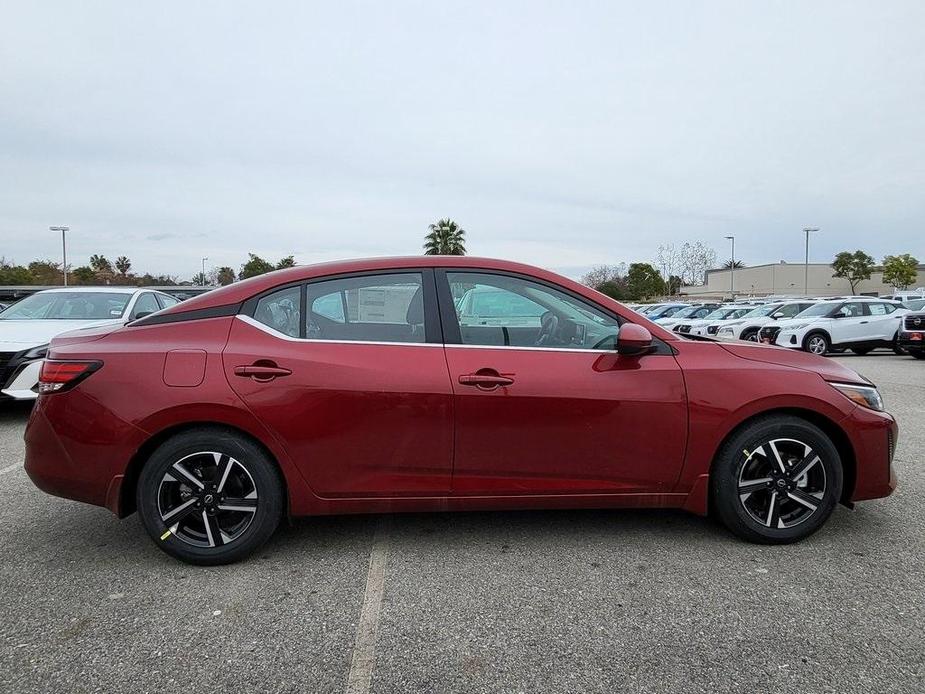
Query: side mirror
(633, 340)
(775, 316)
(142, 314)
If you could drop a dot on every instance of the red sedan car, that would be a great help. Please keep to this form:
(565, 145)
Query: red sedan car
(440, 383)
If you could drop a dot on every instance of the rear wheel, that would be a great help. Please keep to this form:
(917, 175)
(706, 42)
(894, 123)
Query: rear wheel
(209, 497)
(776, 481)
(817, 343)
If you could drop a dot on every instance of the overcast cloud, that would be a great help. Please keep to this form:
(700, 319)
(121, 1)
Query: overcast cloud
(562, 134)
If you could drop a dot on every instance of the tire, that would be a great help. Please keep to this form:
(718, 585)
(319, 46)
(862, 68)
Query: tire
(817, 343)
(750, 336)
(208, 474)
(749, 456)
(861, 351)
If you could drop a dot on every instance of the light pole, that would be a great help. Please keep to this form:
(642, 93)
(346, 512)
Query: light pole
(807, 231)
(63, 250)
(732, 268)
(203, 275)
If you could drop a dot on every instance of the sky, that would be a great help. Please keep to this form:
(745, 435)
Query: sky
(564, 134)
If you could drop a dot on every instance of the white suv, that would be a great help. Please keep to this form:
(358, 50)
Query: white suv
(858, 324)
(747, 327)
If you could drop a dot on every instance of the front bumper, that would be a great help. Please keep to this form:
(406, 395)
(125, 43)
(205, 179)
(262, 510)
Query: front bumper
(23, 384)
(789, 338)
(911, 339)
(873, 437)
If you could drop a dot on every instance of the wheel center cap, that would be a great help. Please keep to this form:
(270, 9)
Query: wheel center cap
(208, 499)
(781, 483)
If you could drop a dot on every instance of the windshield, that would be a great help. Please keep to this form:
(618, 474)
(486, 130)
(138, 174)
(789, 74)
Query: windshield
(720, 313)
(68, 306)
(662, 312)
(687, 312)
(817, 310)
(762, 311)
(915, 304)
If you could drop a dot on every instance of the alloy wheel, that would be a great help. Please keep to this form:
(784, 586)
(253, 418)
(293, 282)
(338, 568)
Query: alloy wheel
(781, 483)
(816, 344)
(207, 499)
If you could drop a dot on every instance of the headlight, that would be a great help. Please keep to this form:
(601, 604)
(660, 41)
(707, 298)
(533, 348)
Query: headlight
(726, 330)
(798, 326)
(39, 352)
(866, 396)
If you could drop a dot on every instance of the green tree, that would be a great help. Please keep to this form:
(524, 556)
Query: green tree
(614, 289)
(900, 271)
(254, 266)
(854, 267)
(83, 275)
(729, 265)
(674, 284)
(446, 237)
(99, 263)
(45, 272)
(123, 265)
(200, 280)
(643, 281)
(288, 261)
(225, 275)
(11, 274)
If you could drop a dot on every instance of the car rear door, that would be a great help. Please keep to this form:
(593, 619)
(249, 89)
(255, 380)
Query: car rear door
(349, 374)
(550, 408)
(883, 320)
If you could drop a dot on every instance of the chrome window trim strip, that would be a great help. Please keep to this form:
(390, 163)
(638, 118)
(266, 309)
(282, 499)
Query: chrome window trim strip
(275, 333)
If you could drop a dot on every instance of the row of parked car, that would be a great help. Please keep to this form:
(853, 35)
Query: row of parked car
(818, 325)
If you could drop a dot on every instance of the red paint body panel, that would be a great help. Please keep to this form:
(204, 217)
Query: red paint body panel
(388, 427)
(572, 422)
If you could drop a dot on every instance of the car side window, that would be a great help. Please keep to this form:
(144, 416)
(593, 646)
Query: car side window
(369, 308)
(789, 311)
(166, 300)
(280, 310)
(147, 303)
(854, 309)
(878, 309)
(505, 311)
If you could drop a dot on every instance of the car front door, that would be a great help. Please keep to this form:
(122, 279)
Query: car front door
(545, 406)
(849, 323)
(349, 374)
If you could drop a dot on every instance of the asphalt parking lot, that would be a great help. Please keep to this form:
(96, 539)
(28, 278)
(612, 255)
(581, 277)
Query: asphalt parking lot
(615, 601)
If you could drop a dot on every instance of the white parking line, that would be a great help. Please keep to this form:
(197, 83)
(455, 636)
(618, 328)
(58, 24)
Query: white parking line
(364, 648)
(10, 468)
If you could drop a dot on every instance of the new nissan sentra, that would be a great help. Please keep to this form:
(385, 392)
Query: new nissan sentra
(359, 387)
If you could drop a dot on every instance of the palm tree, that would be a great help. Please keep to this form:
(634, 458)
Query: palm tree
(729, 265)
(445, 238)
(123, 265)
(100, 263)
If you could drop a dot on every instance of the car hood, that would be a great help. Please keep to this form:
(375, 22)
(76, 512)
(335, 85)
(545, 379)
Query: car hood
(787, 323)
(16, 335)
(829, 370)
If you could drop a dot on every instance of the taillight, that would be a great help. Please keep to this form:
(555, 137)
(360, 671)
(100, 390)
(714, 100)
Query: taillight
(56, 376)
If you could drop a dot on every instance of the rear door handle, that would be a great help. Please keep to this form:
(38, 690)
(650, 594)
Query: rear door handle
(485, 381)
(261, 372)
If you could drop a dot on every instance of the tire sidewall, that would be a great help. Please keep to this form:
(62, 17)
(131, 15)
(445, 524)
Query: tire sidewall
(826, 341)
(262, 470)
(725, 478)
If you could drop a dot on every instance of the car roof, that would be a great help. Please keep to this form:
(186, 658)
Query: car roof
(82, 288)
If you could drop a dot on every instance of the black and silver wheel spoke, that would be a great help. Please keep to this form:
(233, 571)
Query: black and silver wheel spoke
(207, 499)
(781, 483)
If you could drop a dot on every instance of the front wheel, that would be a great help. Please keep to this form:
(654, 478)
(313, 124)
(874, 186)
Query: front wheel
(817, 343)
(750, 336)
(209, 497)
(776, 481)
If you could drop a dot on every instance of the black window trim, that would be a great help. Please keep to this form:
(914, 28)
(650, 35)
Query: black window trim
(450, 323)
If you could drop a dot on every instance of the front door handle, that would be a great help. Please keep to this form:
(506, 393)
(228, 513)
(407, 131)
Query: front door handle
(486, 379)
(261, 372)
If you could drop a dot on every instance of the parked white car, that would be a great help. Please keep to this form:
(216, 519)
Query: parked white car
(709, 324)
(27, 327)
(747, 327)
(692, 312)
(858, 324)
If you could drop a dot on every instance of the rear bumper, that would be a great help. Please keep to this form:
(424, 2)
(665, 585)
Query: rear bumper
(83, 455)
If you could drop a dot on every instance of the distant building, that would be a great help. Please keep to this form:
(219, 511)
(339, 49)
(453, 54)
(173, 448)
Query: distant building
(788, 279)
